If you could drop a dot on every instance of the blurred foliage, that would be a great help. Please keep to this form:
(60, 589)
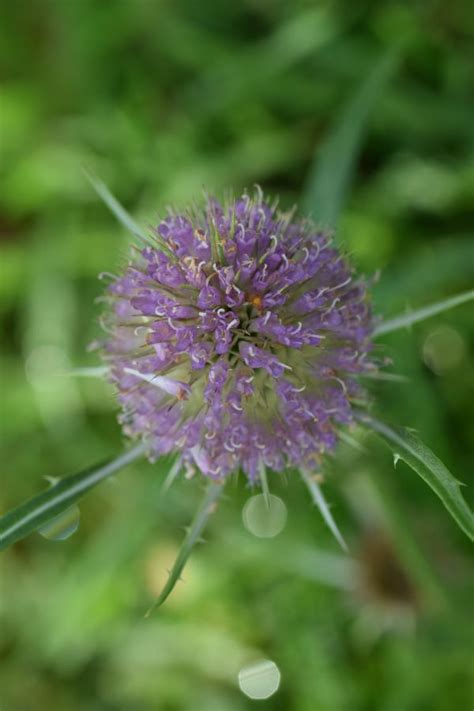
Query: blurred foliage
(162, 98)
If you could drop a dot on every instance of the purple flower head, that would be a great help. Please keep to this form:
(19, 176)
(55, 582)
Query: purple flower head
(237, 339)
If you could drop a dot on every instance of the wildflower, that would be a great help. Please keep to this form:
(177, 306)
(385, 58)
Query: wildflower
(236, 338)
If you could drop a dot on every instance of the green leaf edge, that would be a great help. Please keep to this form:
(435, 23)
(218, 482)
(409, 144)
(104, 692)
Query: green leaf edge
(37, 511)
(409, 447)
(333, 165)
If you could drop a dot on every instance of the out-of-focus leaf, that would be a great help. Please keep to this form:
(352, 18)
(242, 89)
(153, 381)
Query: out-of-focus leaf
(35, 512)
(411, 317)
(333, 166)
(406, 445)
(115, 207)
(417, 273)
(124, 217)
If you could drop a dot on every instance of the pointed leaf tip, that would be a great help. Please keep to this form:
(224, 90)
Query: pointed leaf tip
(407, 445)
(320, 501)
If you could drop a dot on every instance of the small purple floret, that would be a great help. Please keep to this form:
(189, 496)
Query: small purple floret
(238, 340)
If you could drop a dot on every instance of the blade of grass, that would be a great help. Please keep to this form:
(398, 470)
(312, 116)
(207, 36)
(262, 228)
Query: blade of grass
(408, 319)
(406, 445)
(335, 159)
(123, 216)
(37, 511)
(115, 207)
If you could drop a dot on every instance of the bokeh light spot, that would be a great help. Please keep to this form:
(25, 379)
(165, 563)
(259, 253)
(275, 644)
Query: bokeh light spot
(260, 680)
(62, 526)
(264, 515)
(443, 349)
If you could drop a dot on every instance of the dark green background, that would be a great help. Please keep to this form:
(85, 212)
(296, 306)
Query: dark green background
(162, 99)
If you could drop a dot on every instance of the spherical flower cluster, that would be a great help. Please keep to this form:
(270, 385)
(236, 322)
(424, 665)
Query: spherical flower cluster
(236, 338)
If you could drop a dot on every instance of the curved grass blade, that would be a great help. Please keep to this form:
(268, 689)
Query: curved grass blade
(406, 445)
(320, 501)
(123, 216)
(203, 514)
(115, 207)
(40, 509)
(404, 320)
(333, 166)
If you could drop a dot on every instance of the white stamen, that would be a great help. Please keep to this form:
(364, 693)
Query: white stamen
(168, 385)
(336, 301)
(342, 384)
(339, 286)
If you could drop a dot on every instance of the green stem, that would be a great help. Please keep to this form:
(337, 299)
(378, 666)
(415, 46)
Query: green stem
(203, 514)
(408, 319)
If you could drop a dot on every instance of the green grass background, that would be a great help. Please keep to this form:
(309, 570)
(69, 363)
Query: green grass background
(162, 99)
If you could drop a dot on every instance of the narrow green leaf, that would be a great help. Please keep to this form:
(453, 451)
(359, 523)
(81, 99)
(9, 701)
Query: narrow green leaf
(123, 216)
(172, 474)
(203, 514)
(115, 207)
(264, 484)
(35, 512)
(411, 317)
(335, 159)
(318, 498)
(406, 445)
